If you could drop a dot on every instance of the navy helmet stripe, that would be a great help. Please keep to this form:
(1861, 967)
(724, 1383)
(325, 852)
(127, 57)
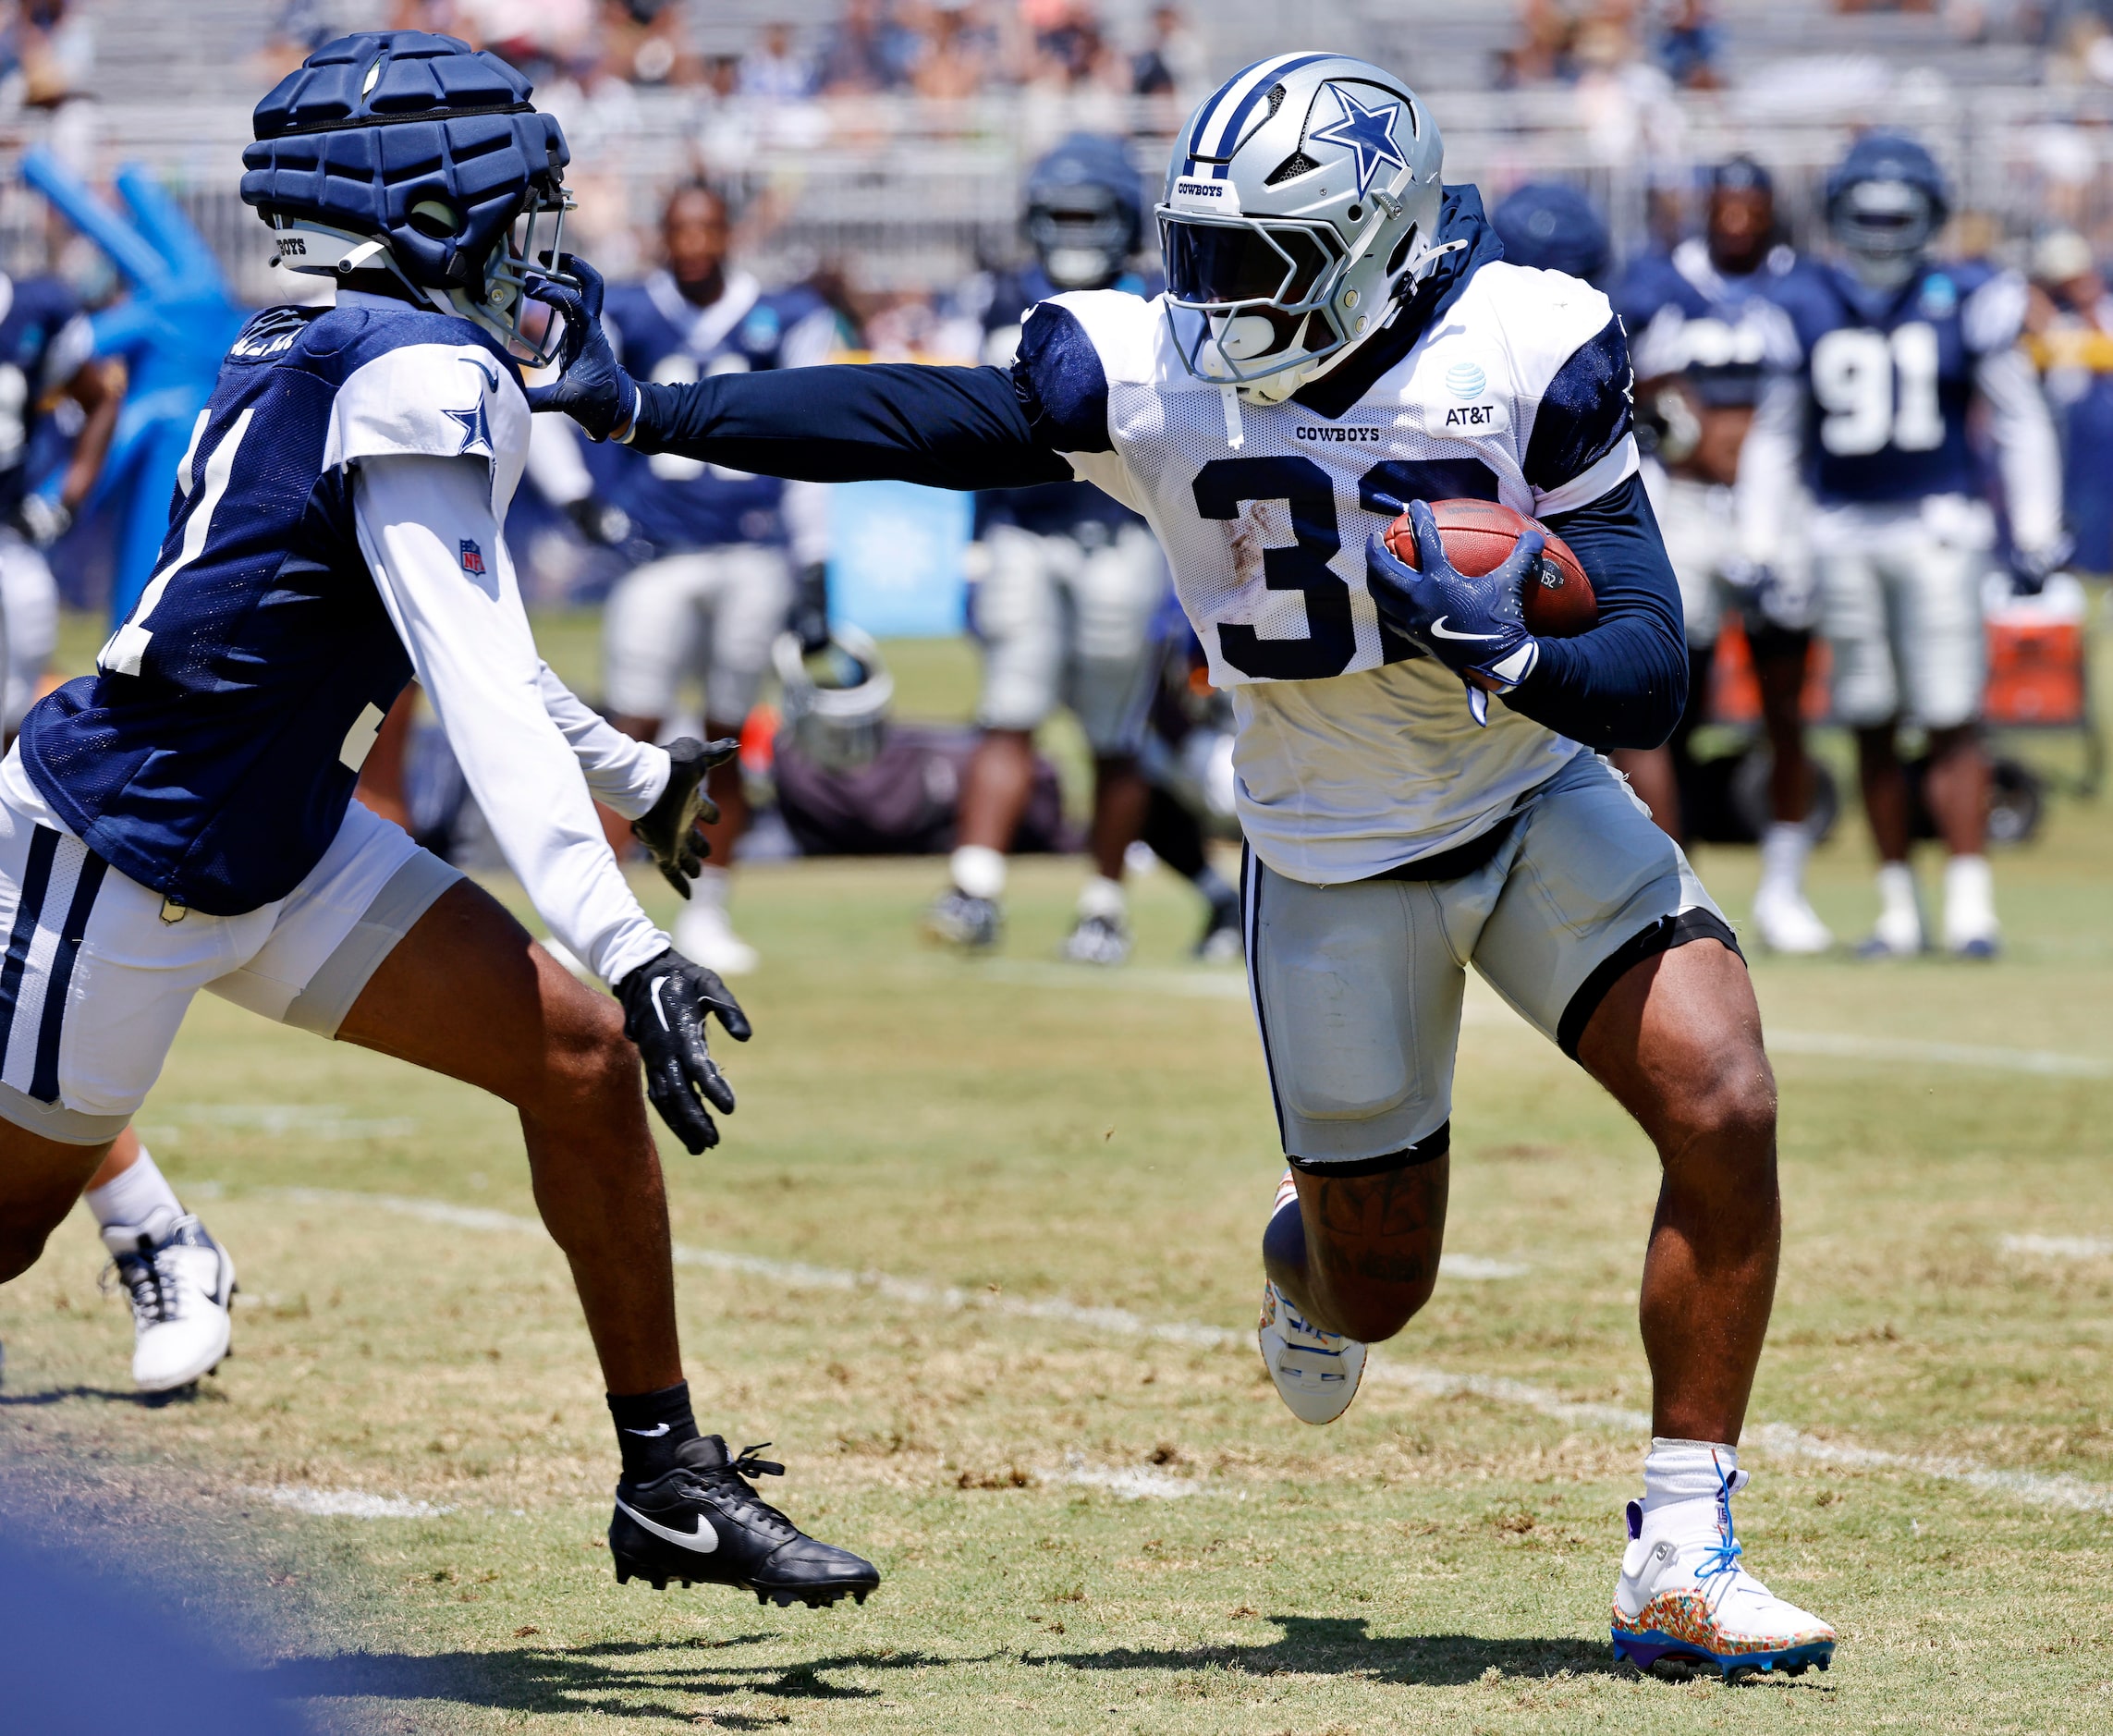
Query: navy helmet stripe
(44, 1082)
(1228, 137)
(36, 881)
(1211, 107)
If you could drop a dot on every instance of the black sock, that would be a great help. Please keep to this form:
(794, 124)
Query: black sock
(650, 1426)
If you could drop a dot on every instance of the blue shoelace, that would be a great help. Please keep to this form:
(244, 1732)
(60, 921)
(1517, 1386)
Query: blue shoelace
(1722, 1558)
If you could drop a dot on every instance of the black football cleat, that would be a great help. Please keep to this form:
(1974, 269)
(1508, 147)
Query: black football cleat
(702, 1523)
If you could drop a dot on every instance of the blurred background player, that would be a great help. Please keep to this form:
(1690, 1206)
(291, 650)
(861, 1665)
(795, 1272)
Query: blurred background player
(1895, 350)
(1704, 334)
(716, 592)
(51, 384)
(2070, 336)
(1066, 608)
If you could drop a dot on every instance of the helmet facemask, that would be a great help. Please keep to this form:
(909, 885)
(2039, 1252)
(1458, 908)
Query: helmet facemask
(1884, 228)
(527, 255)
(1083, 236)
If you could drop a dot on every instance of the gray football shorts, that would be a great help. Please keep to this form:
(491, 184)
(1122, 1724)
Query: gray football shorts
(1358, 988)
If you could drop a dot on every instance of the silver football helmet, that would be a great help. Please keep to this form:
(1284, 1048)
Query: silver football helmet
(1303, 199)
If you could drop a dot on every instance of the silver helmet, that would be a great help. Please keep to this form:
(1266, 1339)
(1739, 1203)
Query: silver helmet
(1303, 199)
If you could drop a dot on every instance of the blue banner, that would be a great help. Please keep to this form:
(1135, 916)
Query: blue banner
(896, 559)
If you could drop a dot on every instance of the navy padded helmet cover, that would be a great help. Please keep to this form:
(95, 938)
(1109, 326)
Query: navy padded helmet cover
(442, 120)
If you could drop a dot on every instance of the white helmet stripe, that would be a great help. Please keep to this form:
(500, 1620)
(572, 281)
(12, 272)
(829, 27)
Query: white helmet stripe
(1218, 130)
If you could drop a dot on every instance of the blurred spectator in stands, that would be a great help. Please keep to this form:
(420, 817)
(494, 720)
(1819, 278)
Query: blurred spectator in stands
(301, 28)
(1171, 62)
(2068, 335)
(953, 56)
(775, 71)
(47, 60)
(1541, 52)
(867, 51)
(1069, 45)
(643, 42)
(1689, 44)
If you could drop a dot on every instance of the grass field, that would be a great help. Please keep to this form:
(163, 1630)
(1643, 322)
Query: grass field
(1087, 1526)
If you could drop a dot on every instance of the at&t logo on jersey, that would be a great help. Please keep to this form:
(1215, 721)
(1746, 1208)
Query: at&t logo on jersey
(472, 557)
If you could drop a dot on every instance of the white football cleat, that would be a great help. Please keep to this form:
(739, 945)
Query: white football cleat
(1788, 923)
(180, 1283)
(704, 935)
(1316, 1373)
(1685, 1605)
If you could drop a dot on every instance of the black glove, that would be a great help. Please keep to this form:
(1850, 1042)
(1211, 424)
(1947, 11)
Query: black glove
(809, 615)
(669, 828)
(2030, 572)
(664, 1001)
(592, 387)
(599, 521)
(40, 520)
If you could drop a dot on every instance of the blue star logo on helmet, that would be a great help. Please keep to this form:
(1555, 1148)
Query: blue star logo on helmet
(1367, 131)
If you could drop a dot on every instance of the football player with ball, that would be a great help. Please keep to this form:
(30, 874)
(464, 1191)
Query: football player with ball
(1420, 778)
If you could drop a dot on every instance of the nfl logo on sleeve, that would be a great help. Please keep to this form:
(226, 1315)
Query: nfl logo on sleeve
(472, 557)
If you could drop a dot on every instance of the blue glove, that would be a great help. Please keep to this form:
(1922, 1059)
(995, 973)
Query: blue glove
(2030, 572)
(1475, 626)
(592, 387)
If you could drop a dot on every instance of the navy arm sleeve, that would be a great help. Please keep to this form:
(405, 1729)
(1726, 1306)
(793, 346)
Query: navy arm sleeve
(964, 428)
(1625, 683)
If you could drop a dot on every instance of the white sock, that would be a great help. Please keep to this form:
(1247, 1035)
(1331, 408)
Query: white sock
(978, 870)
(711, 887)
(1103, 898)
(1897, 907)
(141, 1198)
(1677, 1472)
(1969, 898)
(1784, 846)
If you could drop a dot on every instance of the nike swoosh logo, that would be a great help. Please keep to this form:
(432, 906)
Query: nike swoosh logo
(653, 1433)
(702, 1541)
(1440, 630)
(659, 1005)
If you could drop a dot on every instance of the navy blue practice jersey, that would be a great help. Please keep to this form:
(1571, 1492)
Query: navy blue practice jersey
(1889, 375)
(676, 503)
(43, 340)
(213, 753)
(1721, 334)
(999, 301)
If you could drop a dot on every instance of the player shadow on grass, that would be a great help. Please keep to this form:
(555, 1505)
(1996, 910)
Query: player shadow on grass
(590, 1678)
(1341, 1645)
(109, 1395)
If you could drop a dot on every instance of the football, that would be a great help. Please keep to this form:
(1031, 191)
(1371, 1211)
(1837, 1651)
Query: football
(1479, 535)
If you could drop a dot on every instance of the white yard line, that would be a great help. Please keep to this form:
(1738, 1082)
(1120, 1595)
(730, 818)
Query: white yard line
(348, 1503)
(2040, 1489)
(2061, 1247)
(1842, 1046)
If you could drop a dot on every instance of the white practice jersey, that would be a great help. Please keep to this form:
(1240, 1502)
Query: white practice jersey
(1354, 754)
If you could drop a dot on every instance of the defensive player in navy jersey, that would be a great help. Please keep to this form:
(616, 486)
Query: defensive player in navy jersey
(725, 545)
(1895, 349)
(1066, 609)
(1704, 334)
(183, 818)
(1415, 770)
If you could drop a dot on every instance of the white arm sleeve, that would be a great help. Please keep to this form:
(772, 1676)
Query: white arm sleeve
(806, 512)
(1769, 486)
(628, 775)
(419, 519)
(554, 465)
(2026, 450)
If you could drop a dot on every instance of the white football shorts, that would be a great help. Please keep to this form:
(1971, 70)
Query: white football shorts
(1699, 522)
(1358, 987)
(94, 982)
(1065, 623)
(1900, 601)
(714, 614)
